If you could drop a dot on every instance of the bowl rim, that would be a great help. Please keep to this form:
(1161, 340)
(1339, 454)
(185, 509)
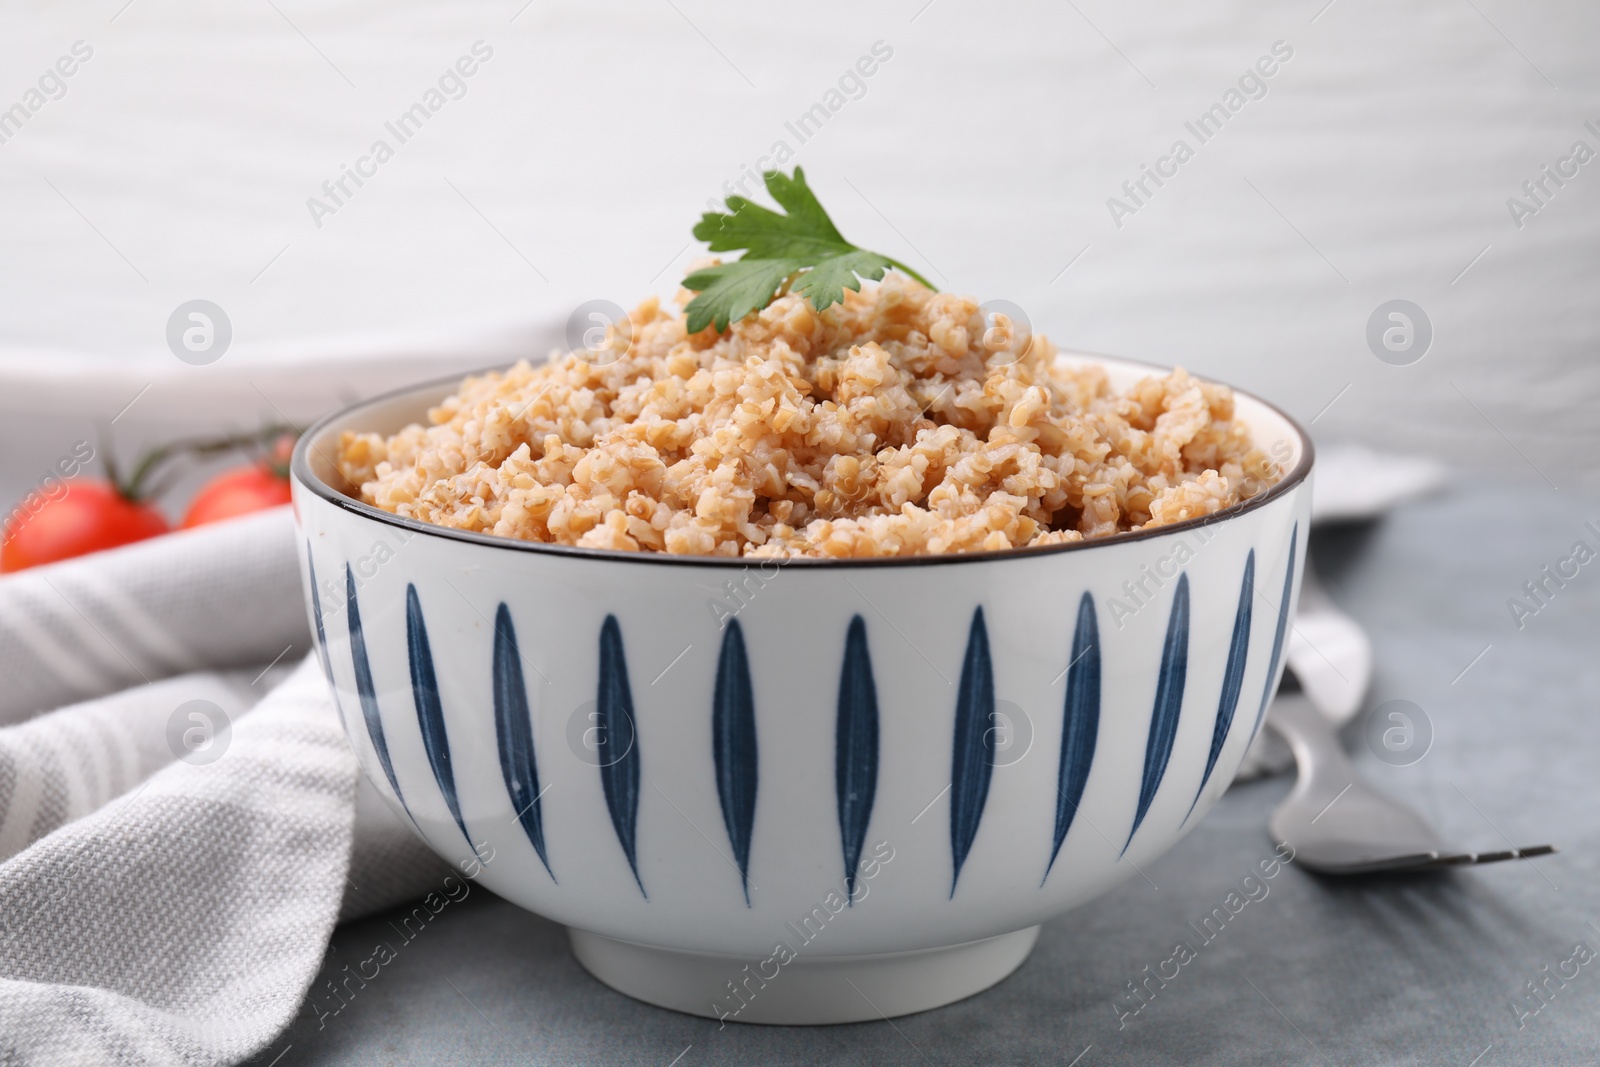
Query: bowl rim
(300, 468)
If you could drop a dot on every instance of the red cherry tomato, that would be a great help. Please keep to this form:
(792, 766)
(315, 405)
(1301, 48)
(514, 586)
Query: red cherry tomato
(80, 516)
(237, 492)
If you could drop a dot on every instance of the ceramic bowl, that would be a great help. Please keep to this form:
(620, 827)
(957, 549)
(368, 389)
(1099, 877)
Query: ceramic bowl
(820, 791)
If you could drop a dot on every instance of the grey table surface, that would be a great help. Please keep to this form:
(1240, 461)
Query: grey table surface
(1393, 970)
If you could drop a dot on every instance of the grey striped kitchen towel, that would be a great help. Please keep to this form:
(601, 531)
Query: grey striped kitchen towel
(181, 822)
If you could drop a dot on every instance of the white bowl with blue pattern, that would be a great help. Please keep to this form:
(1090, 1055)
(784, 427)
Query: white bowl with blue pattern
(824, 791)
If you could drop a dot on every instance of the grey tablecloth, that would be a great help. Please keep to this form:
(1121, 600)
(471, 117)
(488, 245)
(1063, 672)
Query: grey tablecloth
(1417, 970)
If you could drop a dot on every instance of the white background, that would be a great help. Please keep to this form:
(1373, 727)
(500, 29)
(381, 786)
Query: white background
(1378, 166)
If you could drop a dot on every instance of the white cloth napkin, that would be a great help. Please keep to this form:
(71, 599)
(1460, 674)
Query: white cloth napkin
(160, 910)
(178, 840)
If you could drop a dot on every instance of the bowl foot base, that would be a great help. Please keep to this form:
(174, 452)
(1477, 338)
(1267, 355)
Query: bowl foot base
(805, 991)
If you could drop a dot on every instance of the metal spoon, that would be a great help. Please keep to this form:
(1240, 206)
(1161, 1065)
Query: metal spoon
(1338, 824)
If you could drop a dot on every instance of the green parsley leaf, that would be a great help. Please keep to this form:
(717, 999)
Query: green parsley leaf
(730, 291)
(826, 282)
(776, 246)
(806, 231)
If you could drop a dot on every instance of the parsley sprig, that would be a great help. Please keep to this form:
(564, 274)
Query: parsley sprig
(802, 249)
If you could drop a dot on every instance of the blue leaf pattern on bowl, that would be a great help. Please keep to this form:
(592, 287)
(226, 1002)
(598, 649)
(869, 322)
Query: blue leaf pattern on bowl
(322, 640)
(618, 751)
(972, 756)
(734, 732)
(1169, 702)
(513, 727)
(1080, 723)
(855, 749)
(430, 712)
(1232, 675)
(1283, 626)
(364, 687)
(733, 747)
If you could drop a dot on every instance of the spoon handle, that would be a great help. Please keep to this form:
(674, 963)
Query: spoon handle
(1324, 768)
